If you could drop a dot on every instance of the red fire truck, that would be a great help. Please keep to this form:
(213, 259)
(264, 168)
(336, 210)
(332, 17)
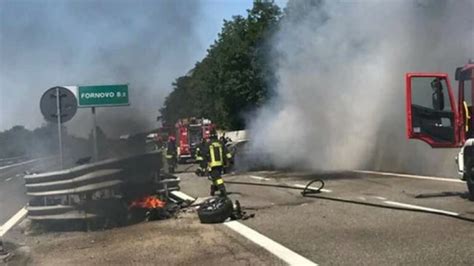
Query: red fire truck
(435, 116)
(189, 133)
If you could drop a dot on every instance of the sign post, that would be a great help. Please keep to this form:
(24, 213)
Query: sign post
(60, 132)
(94, 136)
(58, 105)
(101, 96)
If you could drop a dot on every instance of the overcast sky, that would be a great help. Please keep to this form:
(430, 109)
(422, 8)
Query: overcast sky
(141, 42)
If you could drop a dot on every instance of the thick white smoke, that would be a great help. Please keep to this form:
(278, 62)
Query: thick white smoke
(340, 68)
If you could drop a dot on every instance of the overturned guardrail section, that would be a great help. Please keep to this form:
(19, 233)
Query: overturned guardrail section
(97, 190)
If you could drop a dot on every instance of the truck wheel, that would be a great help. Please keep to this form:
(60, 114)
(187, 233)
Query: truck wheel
(469, 179)
(215, 210)
(470, 187)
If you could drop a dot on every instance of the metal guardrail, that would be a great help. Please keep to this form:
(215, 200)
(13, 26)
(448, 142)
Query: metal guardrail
(93, 190)
(68, 186)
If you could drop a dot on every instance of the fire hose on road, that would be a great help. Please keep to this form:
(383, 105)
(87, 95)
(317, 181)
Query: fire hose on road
(307, 190)
(311, 192)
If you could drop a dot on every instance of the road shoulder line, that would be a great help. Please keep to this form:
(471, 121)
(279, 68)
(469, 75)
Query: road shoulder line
(410, 176)
(13, 221)
(259, 178)
(296, 185)
(278, 250)
(19, 164)
(417, 207)
(313, 188)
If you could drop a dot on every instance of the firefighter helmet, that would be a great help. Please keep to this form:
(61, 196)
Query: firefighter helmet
(213, 134)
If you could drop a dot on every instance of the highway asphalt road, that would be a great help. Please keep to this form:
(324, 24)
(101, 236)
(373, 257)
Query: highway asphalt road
(355, 223)
(335, 232)
(12, 189)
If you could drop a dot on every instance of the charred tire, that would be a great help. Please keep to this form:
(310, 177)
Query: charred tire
(215, 210)
(469, 178)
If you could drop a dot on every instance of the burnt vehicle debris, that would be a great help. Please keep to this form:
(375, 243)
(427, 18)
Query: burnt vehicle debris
(101, 194)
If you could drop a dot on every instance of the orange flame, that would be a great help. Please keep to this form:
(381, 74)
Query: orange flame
(147, 202)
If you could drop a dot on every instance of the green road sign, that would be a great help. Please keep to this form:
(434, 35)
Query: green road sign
(102, 95)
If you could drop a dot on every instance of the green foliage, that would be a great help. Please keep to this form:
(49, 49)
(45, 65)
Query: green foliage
(180, 103)
(19, 141)
(13, 148)
(234, 77)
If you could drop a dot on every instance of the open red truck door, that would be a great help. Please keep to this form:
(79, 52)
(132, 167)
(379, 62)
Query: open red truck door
(431, 112)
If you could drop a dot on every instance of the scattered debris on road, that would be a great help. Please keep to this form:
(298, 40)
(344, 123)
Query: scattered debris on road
(151, 208)
(4, 254)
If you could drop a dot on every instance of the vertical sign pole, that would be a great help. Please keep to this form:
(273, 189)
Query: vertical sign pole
(94, 136)
(60, 137)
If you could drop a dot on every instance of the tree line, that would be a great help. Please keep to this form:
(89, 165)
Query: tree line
(42, 141)
(234, 78)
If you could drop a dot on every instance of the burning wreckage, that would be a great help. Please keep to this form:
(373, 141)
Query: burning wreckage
(114, 192)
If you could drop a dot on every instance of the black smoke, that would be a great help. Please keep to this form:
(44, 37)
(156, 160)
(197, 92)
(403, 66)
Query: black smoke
(140, 42)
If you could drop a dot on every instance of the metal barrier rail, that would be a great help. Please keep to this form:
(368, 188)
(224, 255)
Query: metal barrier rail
(137, 163)
(93, 190)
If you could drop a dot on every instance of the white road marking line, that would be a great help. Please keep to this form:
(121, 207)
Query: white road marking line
(420, 207)
(8, 179)
(296, 185)
(285, 254)
(18, 164)
(410, 176)
(13, 220)
(281, 252)
(380, 198)
(259, 177)
(315, 188)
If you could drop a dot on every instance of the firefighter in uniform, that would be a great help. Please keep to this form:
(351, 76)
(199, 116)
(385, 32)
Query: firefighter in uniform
(216, 156)
(158, 141)
(202, 169)
(171, 154)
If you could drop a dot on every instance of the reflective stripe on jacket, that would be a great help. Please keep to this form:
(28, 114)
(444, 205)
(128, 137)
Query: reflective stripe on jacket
(216, 154)
(198, 154)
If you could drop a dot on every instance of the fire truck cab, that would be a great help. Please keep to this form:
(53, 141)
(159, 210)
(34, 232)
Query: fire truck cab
(189, 133)
(434, 115)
